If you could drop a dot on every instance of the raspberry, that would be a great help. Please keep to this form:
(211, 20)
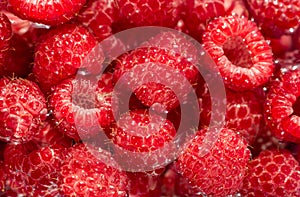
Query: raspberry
(220, 171)
(242, 55)
(276, 17)
(84, 174)
(272, 173)
(139, 131)
(37, 173)
(99, 16)
(67, 48)
(78, 108)
(199, 12)
(46, 12)
(281, 114)
(5, 36)
(153, 65)
(150, 13)
(22, 108)
(244, 113)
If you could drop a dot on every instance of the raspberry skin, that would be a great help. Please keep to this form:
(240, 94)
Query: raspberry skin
(36, 173)
(199, 12)
(87, 174)
(272, 173)
(220, 171)
(139, 131)
(150, 12)
(275, 17)
(240, 52)
(46, 12)
(61, 52)
(22, 109)
(99, 17)
(153, 64)
(5, 37)
(79, 107)
(244, 113)
(281, 114)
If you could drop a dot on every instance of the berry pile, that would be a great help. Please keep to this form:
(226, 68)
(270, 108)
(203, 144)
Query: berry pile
(87, 111)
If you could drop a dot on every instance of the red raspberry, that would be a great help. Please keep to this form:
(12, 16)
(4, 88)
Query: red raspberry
(153, 66)
(46, 12)
(79, 107)
(220, 171)
(67, 48)
(22, 108)
(99, 15)
(139, 131)
(199, 13)
(272, 173)
(5, 36)
(281, 113)
(242, 55)
(87, 173)
(276, 16)
(37, 174)
(244, 113)
(150, 12)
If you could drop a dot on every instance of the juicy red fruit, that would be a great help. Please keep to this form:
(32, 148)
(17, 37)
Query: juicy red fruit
(272, 173)
(61, 52)
(91, 173)
(240, 51)
(23, 108)
(150, 12)
(276, 17)
(280, 115)
(220, 171)
(47, 12)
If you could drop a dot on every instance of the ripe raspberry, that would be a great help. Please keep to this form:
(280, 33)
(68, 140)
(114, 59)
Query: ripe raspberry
(281, 113)
(272, 173)
(99, 16)
(86, 173)
(5, 36)
(244, 113)
(219, 172)
(199, 13)
(276, 16)
(139, 131)
(148, 12)
(79, 107)
(159, 70)
(242, 55)
(46, 12)
(22, 108)
(37, 174)
(66, 49)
